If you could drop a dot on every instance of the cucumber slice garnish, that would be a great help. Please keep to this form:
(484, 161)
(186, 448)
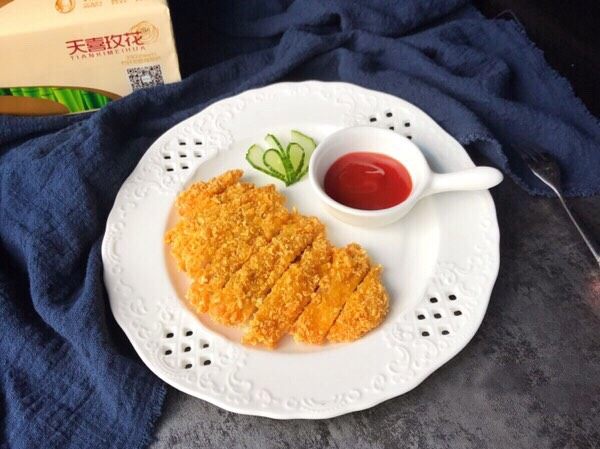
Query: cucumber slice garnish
(272, 159)
(297, 156)
(288, 165)
(274, 143)
(255, 155)
(308, 144)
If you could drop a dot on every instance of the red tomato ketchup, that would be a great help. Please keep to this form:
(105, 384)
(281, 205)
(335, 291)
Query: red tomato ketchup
(368, 181)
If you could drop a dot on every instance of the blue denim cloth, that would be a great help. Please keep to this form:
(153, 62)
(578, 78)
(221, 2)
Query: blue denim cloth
(68, 377)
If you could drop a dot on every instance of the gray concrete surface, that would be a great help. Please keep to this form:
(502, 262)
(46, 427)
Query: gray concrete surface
(529, 379)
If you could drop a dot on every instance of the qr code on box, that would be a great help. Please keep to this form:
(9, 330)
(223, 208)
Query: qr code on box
(149, 76)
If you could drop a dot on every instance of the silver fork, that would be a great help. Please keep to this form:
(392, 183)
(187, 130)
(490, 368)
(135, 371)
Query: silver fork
(547, 170)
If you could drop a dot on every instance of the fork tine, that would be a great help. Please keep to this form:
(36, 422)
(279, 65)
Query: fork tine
(541, 151)
(544, 156)
(526, 152)
(530, 151)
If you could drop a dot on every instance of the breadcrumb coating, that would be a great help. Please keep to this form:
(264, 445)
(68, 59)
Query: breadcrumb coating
(192, 200)
(349, 267)
(246, 288)
(252, 226)
(196, 237)
(290, 294)
(365, 309)
(250, 258)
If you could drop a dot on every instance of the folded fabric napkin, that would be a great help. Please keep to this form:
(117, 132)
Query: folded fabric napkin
(69, 378)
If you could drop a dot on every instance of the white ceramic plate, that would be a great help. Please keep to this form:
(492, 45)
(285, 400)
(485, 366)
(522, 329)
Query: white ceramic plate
(440, 261)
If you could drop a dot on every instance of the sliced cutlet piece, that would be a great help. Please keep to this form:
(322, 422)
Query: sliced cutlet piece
(196, 236)
(365, 309)
(199, 203)
(247, 287)
(193, 199)
(257, 214)
(257, 222)
(192, 231)
(349, 266)
(290, 294)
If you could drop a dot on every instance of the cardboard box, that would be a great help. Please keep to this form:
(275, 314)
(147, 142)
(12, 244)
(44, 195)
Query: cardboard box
(71, 56)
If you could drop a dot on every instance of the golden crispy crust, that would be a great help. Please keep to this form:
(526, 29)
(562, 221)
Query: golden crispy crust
(240, 235)
(193, 199)
(349, 267)
(196, 236)
(246, 288)
(290, 294)
(246, 253)
(196, 297)
(364, 310)
(234, 254)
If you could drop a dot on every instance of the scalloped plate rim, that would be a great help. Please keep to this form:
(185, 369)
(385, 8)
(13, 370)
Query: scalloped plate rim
(299, 413)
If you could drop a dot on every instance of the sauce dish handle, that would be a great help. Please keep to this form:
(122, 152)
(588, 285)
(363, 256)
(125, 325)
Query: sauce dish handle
(477, 178)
